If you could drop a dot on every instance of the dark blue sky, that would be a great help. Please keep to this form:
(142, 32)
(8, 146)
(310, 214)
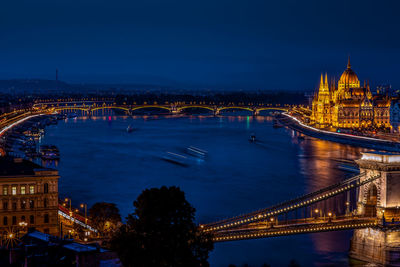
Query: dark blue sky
(200, 43)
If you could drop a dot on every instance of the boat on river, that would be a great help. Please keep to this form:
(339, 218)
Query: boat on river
(176, 159)
(252, 138)
(196, 152)
(49, 152)
(129, 129)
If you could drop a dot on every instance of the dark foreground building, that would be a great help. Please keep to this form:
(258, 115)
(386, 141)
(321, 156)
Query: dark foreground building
(39, 249)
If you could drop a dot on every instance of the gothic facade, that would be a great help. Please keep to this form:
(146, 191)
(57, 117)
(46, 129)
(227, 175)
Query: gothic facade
(347, 104)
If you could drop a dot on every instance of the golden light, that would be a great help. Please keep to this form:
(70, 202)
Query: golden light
(66, 199)
(316, 210)
(272, 219)
(82, 205)
(329, 214)
(10, 236)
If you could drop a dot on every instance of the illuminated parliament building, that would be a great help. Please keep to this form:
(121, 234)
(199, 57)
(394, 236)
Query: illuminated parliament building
(347, 104)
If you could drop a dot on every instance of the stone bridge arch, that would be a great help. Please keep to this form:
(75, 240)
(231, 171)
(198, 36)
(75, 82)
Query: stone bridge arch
(382, 194)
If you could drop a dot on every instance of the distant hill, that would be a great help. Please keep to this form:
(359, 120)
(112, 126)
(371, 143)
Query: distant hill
(33, 86)
(42, 86)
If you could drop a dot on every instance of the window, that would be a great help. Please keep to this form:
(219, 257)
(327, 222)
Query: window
(14, 205)
(23, 218)
(14, 220)
(22, 190)
(31, 189)
(5, 190)
(23, 204)
(31, 219)
(45, 203)
(46, 188)
(31, 204)
(14, 190)
(5, 205)
(46, 218)
(5, 220)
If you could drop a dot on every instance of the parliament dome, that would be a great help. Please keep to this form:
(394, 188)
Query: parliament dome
(349, 77)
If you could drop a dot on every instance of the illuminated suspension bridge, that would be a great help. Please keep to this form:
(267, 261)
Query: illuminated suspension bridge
(374, 188)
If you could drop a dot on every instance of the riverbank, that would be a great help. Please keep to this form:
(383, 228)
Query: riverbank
(360, 141)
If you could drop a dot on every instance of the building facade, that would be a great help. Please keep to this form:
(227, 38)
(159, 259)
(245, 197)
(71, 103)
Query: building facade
(347, 104)
(28, 197)
(395, 116)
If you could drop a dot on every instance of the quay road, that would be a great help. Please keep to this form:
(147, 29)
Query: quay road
(7, 122)
(379, 142)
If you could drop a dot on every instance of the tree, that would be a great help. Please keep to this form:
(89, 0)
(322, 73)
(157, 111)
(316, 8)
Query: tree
(79, 231)
(293, 263)
(161, 232)
(105, 218)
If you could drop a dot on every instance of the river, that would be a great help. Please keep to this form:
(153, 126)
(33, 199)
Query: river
(100, 161)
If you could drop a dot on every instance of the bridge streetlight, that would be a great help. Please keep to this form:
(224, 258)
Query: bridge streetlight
(329, 216)
(272, 222)
(83, 205)
(70, 205)
(316, 213)
(347, 207)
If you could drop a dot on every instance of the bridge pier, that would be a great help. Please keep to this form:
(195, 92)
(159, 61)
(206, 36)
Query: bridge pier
(376, 245)
(380, 197)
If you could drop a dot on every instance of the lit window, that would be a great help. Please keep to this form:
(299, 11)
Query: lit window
(5, 190)
(31, 189)
(22, 190)
(14, 190)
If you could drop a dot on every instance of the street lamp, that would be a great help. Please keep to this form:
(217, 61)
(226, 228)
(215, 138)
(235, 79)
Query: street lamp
(83, 205)
(70, 205)
(316, 213)
(23, 225)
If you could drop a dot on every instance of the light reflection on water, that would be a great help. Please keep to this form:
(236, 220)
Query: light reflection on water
(100, 161)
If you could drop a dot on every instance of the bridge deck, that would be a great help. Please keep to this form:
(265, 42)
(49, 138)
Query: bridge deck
(301, 226)
(291, 205)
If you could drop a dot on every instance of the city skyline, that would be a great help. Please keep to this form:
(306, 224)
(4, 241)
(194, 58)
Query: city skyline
(254, 45)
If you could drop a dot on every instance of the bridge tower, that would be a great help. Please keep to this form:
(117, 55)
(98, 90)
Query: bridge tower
(380, 197)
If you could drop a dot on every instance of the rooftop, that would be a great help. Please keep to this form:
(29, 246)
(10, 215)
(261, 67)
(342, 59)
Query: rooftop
(10, 166)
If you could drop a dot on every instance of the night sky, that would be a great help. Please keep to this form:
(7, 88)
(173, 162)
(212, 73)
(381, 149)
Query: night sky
(244, 44)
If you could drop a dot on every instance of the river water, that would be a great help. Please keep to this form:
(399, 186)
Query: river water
(100, 161)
